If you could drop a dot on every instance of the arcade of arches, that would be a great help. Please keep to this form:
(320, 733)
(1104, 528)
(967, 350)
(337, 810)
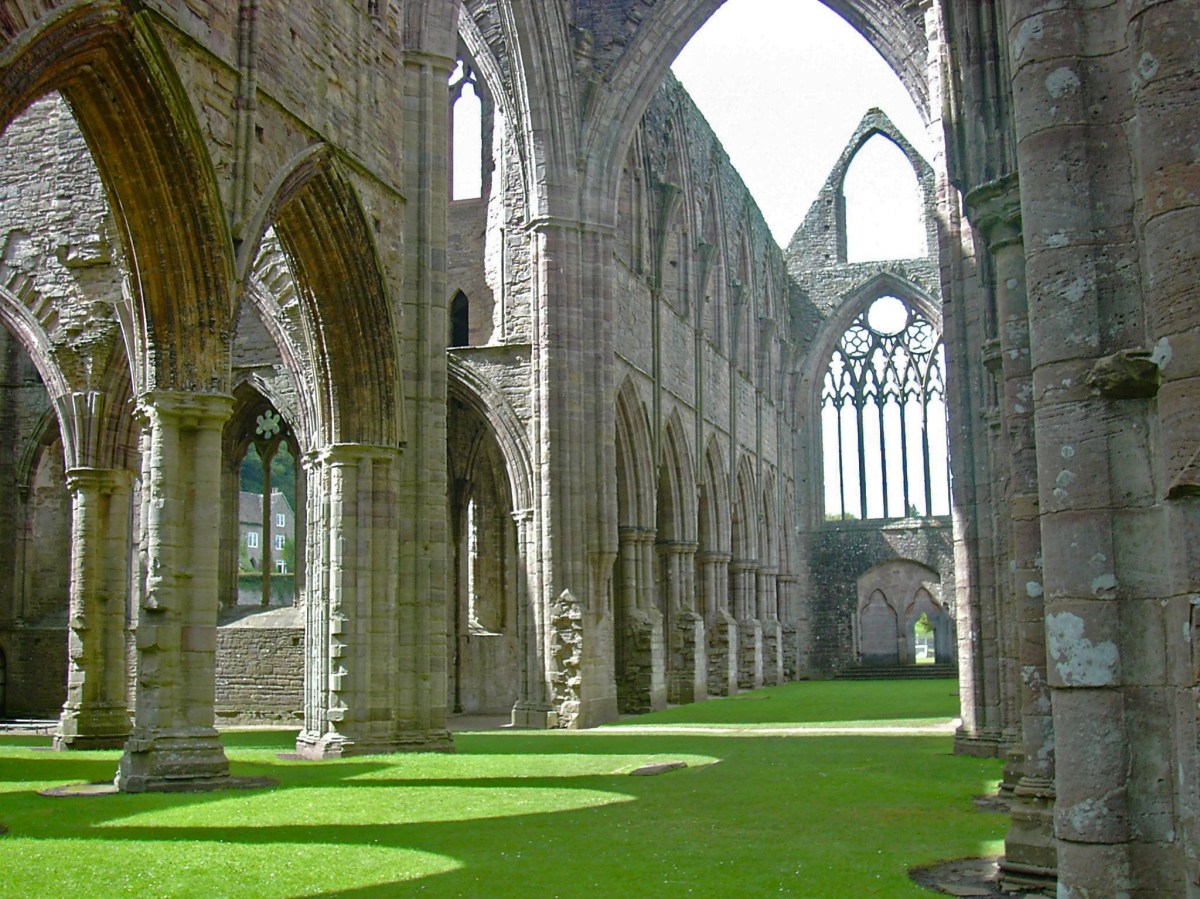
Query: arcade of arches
(290, 436)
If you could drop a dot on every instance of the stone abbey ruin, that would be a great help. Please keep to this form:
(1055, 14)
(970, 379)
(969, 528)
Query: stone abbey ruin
(560, 450)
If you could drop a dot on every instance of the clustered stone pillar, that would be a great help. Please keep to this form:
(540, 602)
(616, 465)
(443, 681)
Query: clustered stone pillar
(1073, 126)
(742, 573)
(574, 442)
(532, 708)
(687, 670)
(767, 591)
(174, 743)
(1029, 861)
(354, 703)
(95, 714)
(793, 627)
(642, 656)
(1164, 694)
(722, 631)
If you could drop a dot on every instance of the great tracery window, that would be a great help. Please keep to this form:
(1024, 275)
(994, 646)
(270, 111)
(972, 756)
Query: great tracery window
(883, 416)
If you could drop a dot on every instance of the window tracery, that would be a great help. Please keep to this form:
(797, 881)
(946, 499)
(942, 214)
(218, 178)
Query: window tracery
(883, 416)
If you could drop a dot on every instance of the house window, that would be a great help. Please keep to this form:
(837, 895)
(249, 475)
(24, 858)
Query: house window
(883, 417)
(279, 538)
(279, 520)
(281, 566)
(252, 539)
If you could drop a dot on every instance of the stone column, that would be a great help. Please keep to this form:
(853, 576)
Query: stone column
(641, 658)
(1029, 860)
(793, 627)
(656, 619)
(174, 743)
(574, 443)
(357, 699)
(767, 592)
(95, 714)
(532, 708)
(687, 671)
(1070, 74)
(1162, 697)
(742, 575)
(722, 631)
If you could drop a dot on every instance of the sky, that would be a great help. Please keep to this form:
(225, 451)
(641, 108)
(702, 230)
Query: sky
(784, 83)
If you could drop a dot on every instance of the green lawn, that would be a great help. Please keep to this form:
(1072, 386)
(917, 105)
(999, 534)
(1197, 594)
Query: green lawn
(531, 814)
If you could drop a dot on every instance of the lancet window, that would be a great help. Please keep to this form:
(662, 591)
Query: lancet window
(884, 416)
(466, 134)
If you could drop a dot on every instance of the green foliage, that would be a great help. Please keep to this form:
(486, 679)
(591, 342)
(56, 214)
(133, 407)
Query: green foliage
(922, 627)
(289, 555)
(522, 813)
(822, 702)
(283, 473)
(244, 564)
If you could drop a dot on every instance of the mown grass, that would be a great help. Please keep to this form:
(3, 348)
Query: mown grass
(527, 814)
(918, 701)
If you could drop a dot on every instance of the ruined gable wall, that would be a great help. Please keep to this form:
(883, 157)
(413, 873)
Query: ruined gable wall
(844, 550)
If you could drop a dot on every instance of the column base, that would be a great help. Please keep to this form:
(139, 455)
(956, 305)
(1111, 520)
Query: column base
(722, 656)
(642, 687)
(687, 679)
(320, 747)
(772, 652)
(531, 716)
(95, 727)
(173, 761)
(980, 745)
(1030, 860)
(750, 654)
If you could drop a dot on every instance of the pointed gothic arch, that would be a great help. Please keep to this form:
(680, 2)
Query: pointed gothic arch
(347, 317)
(139, 125)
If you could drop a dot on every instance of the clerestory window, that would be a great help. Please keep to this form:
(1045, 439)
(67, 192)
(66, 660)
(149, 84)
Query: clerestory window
(466, 134)
(883, 416)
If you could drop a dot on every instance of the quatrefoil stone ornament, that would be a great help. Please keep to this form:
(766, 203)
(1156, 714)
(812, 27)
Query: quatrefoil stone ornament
(268, 424)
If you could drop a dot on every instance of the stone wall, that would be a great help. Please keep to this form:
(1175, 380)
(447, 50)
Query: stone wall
(842, 552)
(36, 662)
(260, 669)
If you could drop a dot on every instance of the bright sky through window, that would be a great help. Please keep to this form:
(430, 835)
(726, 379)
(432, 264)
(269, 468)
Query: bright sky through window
(784, 83)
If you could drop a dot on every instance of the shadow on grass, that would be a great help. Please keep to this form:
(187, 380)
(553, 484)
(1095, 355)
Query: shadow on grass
(813, 817)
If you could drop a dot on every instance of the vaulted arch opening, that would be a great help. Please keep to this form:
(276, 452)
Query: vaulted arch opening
(486, 640)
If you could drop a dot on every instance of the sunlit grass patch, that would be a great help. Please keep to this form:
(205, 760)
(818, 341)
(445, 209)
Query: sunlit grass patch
(820, 703)
(526, 813)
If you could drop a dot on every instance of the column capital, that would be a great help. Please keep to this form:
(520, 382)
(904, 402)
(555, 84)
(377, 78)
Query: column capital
(736, 566)
(99, 480)
(186, 410)
(635, 533)
(425, 59)
(994, 210)
(677, 547)
(337, 454)
(549, 222)
(712, 556)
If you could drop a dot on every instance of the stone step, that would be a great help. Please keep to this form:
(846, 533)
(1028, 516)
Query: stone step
(897, 672)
